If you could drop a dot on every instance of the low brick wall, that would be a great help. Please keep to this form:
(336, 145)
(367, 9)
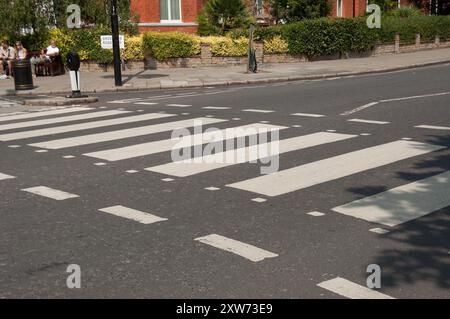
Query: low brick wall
(206, 58)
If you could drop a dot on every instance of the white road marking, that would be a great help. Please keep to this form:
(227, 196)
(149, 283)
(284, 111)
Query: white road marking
(132, 171)
(247, 154)
(68, 157)
(308, 115)
(24, 116)
(259, 200)
(14, 146)
(316, 214)
(212, 189)
(146, 103)
(258, 111)
(414, 97)
(348, 289)
(247, 251)
(333, 168)
(82, 126)
(4, 176)
(216, 108)
(179, 105)
(402, 204)
(122, 134)
(50, 193)
(136, 215)
(380, 231)
(125, 101)
(60, 119)
(41, 151)
(167, 180)
(365, 134)
(118, 154)
(358, 109)
(368, 121)
(431, 127)
(100, 164)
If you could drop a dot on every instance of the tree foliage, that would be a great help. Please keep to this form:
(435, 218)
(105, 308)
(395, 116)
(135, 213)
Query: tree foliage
(219, 16)
(296, 10)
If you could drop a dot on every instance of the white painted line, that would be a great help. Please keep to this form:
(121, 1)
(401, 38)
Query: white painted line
(4, 176)
(125, 212)
(296, 126)
(407, 139)
(264, 122)
(236, 119)
(368, 121)
(358, 109)
(41, 151)
(308, 115)
(122, 134)
(133, 151)
(167, 180)
(14, 146)
(212, 189)
(258, 111)
(125, 101)
(247, 154)
(316, 214)
(100, 164)
(348, 289)
(132, 171)
(259, 200)
(402, 204)
(333, 168)
(216, 108)
(431, 127)
(68, 157)
(146, 103)
(43, 113)
(82, 126)
(60, 119)
(250, 252)
(50, 193)
(331, 131)
(380, 231)
(365, 134)
(179, 105)
(415, 97)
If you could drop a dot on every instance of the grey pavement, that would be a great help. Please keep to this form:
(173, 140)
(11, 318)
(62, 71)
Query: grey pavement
(139, 230)
(231, 75)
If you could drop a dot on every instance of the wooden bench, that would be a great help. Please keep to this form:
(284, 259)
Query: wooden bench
(48, 68)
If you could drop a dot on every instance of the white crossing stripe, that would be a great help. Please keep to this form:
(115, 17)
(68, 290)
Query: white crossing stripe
(333, 168)
(431, 127)
(136, 215)
(122, 134)
(146, 103)
(43, 113)
(81, 126)
(348, 289)
(50, 193)
(4, 176)
(250, 252)
(60, 119)
(217, 108)
(247, 154)
(118, 154)
(402, 204)
(179, 105)
(258, 111)
(368, 121)
(308, 115)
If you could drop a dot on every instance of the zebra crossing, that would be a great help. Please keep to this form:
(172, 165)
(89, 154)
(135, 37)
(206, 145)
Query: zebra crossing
(5, 103)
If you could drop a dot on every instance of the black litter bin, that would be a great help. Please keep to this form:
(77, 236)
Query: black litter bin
(23, 77)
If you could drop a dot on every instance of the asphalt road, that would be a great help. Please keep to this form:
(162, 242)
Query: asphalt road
(152, 237)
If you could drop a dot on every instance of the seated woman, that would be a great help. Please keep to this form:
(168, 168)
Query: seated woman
(21, 52)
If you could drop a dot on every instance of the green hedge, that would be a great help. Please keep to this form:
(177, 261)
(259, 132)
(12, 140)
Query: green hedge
(162, 45)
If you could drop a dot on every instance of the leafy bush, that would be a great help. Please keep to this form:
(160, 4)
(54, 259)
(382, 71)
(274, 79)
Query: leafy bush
(225, 46)
(163, 46)
(405, 12)
(276, 45)
(134, 49)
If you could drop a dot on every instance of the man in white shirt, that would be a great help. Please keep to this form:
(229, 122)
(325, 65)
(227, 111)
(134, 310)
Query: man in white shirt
(52, 50)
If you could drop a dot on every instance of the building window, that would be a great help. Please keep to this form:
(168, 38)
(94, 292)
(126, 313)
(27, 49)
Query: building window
(339, 8)
(170, 10)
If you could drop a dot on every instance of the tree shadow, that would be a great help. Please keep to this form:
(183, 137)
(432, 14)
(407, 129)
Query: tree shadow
(420, 248)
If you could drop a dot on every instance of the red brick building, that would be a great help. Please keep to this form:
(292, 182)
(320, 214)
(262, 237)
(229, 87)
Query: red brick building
(181, 15)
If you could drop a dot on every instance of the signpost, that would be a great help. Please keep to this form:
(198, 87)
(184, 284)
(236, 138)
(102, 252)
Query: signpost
(115, 43)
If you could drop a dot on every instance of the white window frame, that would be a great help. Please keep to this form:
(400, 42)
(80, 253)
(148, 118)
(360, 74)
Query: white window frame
(170, 20)
(339, 9)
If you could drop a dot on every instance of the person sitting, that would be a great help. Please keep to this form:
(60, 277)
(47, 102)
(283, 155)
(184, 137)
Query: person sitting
(21, 52)
(7, 56)
(52, 50)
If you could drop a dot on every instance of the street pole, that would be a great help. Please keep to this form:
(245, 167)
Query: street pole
(116, 45)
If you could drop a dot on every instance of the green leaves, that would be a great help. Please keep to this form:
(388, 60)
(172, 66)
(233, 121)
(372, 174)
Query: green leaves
(163, 46)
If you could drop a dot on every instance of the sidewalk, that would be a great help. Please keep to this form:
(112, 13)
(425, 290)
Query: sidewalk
(221, 76)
